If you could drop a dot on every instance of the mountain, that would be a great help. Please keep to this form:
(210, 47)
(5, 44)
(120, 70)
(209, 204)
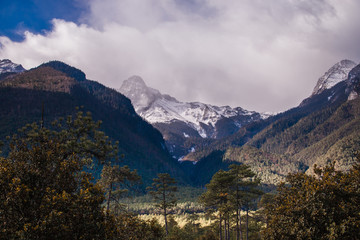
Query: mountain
(337, 73)
(61, 88)
(324, 127)
(180, 122)
(7, 66)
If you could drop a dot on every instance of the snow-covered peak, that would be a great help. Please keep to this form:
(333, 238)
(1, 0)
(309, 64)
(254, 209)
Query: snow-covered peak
(8, 66)
(337, 73)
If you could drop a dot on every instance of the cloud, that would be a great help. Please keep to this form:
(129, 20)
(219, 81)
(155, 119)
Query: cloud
(251, 53)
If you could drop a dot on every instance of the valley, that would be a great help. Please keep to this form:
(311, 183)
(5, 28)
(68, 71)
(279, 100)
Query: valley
(208, 154)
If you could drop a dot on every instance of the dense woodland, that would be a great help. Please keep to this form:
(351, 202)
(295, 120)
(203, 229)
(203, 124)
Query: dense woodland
(48, 192)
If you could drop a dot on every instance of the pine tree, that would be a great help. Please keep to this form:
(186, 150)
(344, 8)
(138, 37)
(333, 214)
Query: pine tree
(217, 197)
(116, 180)
(245, 192)
(163, 192)
(228, 192)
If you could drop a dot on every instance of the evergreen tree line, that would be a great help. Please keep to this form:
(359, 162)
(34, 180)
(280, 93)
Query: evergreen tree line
(47, 191)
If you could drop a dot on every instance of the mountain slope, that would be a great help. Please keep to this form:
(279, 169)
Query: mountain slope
(61, 88)
(326, 134)
(290, 150)
(296, 139)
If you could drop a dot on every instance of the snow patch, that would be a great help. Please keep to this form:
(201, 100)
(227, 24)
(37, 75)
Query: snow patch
(238, 124)
(329, 98)
(265, 115)
(353, 95)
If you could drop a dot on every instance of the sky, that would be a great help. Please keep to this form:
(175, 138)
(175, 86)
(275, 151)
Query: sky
(262, 55)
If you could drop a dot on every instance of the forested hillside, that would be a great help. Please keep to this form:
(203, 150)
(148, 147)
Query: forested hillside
(58, 89)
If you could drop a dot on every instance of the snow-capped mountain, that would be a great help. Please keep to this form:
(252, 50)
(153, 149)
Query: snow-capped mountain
(339, 83)
(337, 73)
(203, 118)
(8, 66)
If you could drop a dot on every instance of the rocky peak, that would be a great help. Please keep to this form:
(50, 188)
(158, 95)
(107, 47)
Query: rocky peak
(337, 73)
(8, 66)
(140, 95)
(133, 84)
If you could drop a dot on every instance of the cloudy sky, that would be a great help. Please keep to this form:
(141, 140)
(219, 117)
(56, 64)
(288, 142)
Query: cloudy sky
(263, 55)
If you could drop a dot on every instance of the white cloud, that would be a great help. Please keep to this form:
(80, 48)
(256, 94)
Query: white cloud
(260, 55)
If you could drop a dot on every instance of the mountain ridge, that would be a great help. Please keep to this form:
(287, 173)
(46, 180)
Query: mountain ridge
(185, 125)
(162, 108)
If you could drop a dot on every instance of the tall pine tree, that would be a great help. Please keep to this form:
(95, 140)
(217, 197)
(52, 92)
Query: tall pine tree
(163, 192)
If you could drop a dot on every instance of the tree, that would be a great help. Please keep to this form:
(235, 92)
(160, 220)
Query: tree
(324, 206)
(244, 192)
(163, 192)
(229, 192)
(217, 197)
(115, 180)
(45, 194)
